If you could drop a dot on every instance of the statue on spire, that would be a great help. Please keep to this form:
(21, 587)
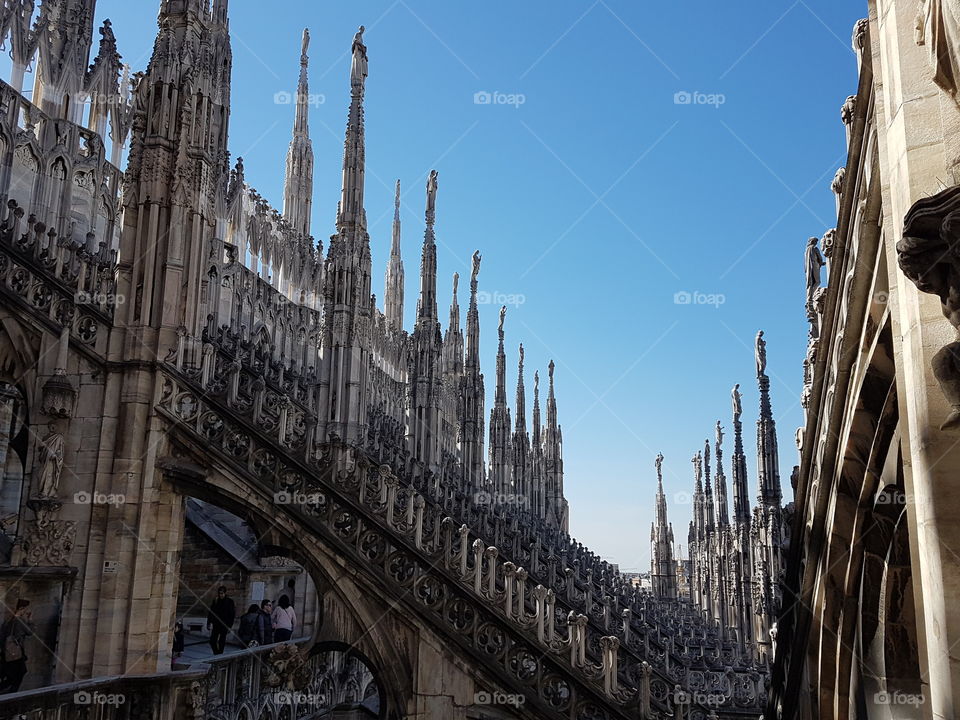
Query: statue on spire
(476, 268)
(503, 315)
(305, 44)
(659, 463)
(735, 396)
(431, 197)
(719, 435)
(358, 68)
(697, 461)
(761, 355)
(521, 360)
(456, 284)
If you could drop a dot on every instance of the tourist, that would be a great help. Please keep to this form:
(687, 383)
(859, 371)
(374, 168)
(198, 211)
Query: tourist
(284, 619)
(220, 620)
(13, 635)
(247, 632)
(264, 634)
(178, 641)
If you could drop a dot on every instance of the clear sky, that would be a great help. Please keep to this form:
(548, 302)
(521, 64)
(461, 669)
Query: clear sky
(594, 192)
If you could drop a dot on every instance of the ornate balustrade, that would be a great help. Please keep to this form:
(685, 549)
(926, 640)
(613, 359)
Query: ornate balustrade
(58, 278)
(226, 687)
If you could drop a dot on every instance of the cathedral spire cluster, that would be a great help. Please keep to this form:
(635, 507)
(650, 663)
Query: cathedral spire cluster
(423, 389)
(733, 566)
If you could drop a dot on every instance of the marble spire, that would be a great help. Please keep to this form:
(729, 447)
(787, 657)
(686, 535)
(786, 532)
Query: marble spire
(393, 283)
(298, 183)
(351, 214)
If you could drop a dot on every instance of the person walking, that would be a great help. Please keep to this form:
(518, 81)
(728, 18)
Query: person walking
(264, 633)
(178, 642)
(284, 620)
(220, 620)
(247, 631)
(13, 637)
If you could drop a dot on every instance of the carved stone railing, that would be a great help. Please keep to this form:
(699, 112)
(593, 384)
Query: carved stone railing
(223, 687)
(58, 278)
(135, 697)
(54, 137)
(534, 642)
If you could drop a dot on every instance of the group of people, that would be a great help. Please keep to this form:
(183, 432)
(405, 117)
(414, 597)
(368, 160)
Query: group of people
(261, 625)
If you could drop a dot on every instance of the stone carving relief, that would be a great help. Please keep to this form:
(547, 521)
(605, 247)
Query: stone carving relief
(929, 255)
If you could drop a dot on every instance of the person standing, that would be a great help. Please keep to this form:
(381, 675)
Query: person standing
(220, 620)
(178, 642)
(13, 637)
(284, 620)
(247, 632)
(264, 634)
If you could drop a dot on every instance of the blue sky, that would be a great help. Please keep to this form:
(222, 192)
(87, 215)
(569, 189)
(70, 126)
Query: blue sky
(594, 201)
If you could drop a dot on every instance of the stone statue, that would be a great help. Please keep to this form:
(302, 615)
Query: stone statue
(697, 461)
(814, 262)
(837, 183)
(719, 435)
(938, 27)
(761, 355)
(503, 315)
(848, 109)
(358, 68)
(659, 464)
(929, 255)
(735, 396)
(456, 283)
(476, 268)
(51, 463)
(431, 196)
(306, 44)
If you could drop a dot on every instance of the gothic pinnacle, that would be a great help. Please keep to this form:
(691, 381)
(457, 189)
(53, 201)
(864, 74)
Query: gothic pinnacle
(298, 183)
(427, 305)
(393, 305)
(350, 213)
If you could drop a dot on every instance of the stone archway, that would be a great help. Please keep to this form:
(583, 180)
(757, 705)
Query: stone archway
(350, 682)
(351, 614)
(887, 675)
